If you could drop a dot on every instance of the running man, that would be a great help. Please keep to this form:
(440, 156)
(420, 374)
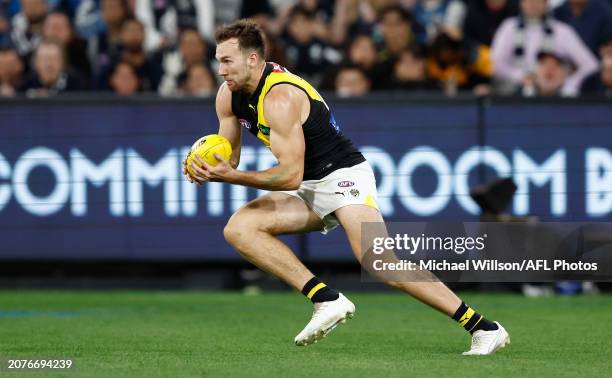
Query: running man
(315, 163)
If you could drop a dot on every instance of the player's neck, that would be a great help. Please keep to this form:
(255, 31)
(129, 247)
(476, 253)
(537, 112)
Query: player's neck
(251, 86)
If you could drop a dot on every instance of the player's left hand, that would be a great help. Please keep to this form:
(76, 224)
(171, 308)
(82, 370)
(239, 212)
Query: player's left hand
(206, 172)
(188, 175)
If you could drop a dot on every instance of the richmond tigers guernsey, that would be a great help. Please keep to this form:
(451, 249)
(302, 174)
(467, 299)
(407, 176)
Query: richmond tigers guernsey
(326, 148)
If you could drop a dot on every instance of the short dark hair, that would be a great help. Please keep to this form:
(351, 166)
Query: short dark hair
(249, 35)
(348, 66)
(299, 10)
(417, 51)
(550, 54)
(606, 36)
(404, 14)
(133, 20)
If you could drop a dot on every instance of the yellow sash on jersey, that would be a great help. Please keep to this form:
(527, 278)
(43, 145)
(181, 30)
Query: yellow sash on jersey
(273, 79)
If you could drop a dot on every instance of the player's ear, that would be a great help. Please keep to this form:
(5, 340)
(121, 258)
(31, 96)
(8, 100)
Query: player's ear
(252, 59)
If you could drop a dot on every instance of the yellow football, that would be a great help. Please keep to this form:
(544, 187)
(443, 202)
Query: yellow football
(206, 147)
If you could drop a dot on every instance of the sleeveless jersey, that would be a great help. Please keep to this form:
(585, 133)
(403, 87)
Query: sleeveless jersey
(326, 148)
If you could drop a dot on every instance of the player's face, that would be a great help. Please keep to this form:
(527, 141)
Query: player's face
(233, 64)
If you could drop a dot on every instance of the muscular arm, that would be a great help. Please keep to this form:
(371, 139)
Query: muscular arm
(228, 123)
(285, 109)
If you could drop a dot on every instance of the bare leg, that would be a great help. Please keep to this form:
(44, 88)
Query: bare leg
(252, 230)
(434, 294)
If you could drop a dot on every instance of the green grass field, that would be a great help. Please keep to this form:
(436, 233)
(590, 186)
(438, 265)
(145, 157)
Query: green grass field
(202, 334)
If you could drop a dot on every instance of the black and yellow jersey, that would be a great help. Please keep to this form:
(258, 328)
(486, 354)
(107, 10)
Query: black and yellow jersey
(326, 148)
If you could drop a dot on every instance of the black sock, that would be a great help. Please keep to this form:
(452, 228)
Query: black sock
(317, 291)
(471, 320)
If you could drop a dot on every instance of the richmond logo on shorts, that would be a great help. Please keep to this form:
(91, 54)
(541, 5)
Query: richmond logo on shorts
(345, 184)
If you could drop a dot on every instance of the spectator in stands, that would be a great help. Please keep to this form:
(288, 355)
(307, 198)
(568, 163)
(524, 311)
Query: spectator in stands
(252, 9)
(352, 81)
(165, 20)
(131, 51)
(50, 75)
(192, 50)
(57, 28)
(410, 72)
(227, 11)
(519, 40)
(605, 45)
(307, 55)
(351, 17)
(483, 17)
(275, 50)
(395, 25)
(105, 45)
(590, 18)
(435, 16)
(5, 25)
(550, 75)
(459, 64)
(200, 81)
(68, 7)
(264, 13)
(11, 72)
(362, 52)
(27, 26)
(606, 76)
(124, 80)
(88, 20)
(323, 9)
(601, 82)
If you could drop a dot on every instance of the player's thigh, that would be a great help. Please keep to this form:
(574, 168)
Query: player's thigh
(351, 218)
(277, 213)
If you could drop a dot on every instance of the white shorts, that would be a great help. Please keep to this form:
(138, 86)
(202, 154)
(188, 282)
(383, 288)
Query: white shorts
(354, 185)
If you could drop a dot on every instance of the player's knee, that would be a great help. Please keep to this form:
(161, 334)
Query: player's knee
(233, 232)
(239, 230)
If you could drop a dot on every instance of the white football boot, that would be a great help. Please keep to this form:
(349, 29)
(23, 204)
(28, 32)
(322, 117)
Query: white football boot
(488, 342)
(325, 317)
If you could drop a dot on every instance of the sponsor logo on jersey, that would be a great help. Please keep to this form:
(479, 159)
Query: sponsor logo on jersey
(265, 130)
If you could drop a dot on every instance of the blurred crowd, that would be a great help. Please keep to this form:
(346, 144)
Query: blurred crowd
(351, 47)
